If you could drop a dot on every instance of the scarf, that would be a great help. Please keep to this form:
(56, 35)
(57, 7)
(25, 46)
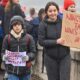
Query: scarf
(16, 35)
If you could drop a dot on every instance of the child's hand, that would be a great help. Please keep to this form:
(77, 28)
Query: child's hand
(25, 58)
(60, 41)
(5, 58)
(0, 22)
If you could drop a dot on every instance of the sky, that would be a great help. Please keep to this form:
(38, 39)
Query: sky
(37, 4)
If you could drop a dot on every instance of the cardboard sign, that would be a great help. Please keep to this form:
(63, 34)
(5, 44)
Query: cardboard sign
(15, 58)
(71, 29)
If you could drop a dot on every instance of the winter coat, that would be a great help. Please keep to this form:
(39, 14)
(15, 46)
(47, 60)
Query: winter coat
(16, 10)
(48, 34)
(22, 43)
(1, 13)
(28, 26)
(34, 32)
(1, 19)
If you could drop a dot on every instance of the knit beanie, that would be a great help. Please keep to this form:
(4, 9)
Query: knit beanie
(4, 2)
(17, 19)
(68, 3)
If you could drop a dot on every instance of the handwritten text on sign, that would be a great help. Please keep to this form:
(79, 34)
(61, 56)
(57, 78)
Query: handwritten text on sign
(71, 29)
(15, 58)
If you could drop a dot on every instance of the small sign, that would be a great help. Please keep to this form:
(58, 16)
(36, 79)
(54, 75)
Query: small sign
(15, 58)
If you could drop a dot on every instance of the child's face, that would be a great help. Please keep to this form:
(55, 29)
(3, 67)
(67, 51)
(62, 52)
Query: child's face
(17, 28)
(72, 8)
(52, 12)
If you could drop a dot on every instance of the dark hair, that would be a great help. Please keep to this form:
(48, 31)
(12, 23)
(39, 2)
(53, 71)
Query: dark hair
(41, 11)
(49, 4)
(32, 11)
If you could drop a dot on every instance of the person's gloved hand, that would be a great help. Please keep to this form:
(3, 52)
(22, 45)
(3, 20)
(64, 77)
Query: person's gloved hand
(5, 57)
(25, 58)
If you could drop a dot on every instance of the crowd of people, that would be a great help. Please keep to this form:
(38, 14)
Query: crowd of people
(21, 34)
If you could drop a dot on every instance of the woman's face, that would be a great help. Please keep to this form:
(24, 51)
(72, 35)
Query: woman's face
(17, 28)
(16, 1)
(72, 8)
(52, 12)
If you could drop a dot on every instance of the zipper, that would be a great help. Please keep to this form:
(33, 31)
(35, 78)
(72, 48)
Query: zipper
(18, 51)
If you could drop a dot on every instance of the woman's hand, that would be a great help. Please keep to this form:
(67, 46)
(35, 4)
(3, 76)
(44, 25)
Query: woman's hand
(60, 41)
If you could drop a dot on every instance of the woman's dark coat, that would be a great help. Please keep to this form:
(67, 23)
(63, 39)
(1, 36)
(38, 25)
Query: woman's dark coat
(48, 34)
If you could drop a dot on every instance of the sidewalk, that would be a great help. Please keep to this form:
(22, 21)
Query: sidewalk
(43, 76)
(40, 58)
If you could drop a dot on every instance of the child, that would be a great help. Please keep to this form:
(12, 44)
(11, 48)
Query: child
(18, 41)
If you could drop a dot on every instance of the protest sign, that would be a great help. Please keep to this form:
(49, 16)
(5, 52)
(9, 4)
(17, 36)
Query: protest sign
(71, 29)
(15, 58)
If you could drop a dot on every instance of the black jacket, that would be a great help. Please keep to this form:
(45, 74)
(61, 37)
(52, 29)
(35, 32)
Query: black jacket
(49, 32)
(16, 10)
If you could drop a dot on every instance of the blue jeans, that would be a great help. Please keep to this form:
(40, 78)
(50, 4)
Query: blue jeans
(14, 77)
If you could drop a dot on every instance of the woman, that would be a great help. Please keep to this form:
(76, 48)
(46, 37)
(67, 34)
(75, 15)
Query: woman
(70, 5)
(57, 57)
(12, 8)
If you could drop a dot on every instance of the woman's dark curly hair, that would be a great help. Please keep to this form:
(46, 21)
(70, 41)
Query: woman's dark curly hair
(49, 4)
